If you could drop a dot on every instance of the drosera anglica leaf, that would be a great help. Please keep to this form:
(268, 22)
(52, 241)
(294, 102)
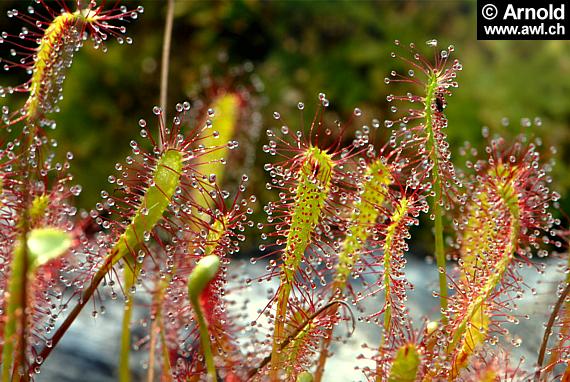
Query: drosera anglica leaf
(507, 219)
(148, 207)
(157, 197)
(46, 48)
(435, 79)
(223, 117)
(313, 185)
(314, 181)
(367, 210)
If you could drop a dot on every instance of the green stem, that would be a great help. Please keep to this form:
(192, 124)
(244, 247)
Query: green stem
(14, 311)
(124, 369)
(202, 274)
(279, 330)
(157, 331)
(440, 256)
(437, 199)
(204, 339)
(166, 368)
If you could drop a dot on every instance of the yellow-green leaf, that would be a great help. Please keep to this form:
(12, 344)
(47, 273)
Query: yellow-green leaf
(305, 377)
(45, 244)
(475, 334)
(406, 363)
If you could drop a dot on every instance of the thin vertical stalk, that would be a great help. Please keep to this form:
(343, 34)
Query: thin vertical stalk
(166, 368)
(205, 340)
(392, 251)
(13, 335)
(564, 330)
(124, 369)
(437, 199)
(203, 273)
(156, 331)
(563, 296)
(166, 42)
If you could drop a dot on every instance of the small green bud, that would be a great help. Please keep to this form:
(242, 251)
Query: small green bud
(202, 274)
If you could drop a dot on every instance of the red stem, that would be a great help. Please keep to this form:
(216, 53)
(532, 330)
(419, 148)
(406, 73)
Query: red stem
(548, 330)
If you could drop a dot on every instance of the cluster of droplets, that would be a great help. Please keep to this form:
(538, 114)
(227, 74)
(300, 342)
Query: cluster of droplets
(531, 179)
(50, 205)
(221, 235)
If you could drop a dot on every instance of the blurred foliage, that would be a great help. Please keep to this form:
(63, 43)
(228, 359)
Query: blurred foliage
(301, 48)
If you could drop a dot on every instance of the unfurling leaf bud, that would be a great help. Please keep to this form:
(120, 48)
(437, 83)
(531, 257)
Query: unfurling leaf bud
(205, 270)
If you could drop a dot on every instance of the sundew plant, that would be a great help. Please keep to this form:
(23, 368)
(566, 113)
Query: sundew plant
(342, 204)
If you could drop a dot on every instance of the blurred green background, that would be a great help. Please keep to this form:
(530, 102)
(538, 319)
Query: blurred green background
(301, 48)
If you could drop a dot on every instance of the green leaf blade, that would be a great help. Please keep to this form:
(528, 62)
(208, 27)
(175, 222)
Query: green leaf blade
(45, 244)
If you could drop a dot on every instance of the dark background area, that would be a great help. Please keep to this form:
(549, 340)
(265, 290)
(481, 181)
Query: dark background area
(298, 49)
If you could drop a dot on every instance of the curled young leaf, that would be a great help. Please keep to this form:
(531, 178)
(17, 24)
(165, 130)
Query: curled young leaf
(205, 270)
